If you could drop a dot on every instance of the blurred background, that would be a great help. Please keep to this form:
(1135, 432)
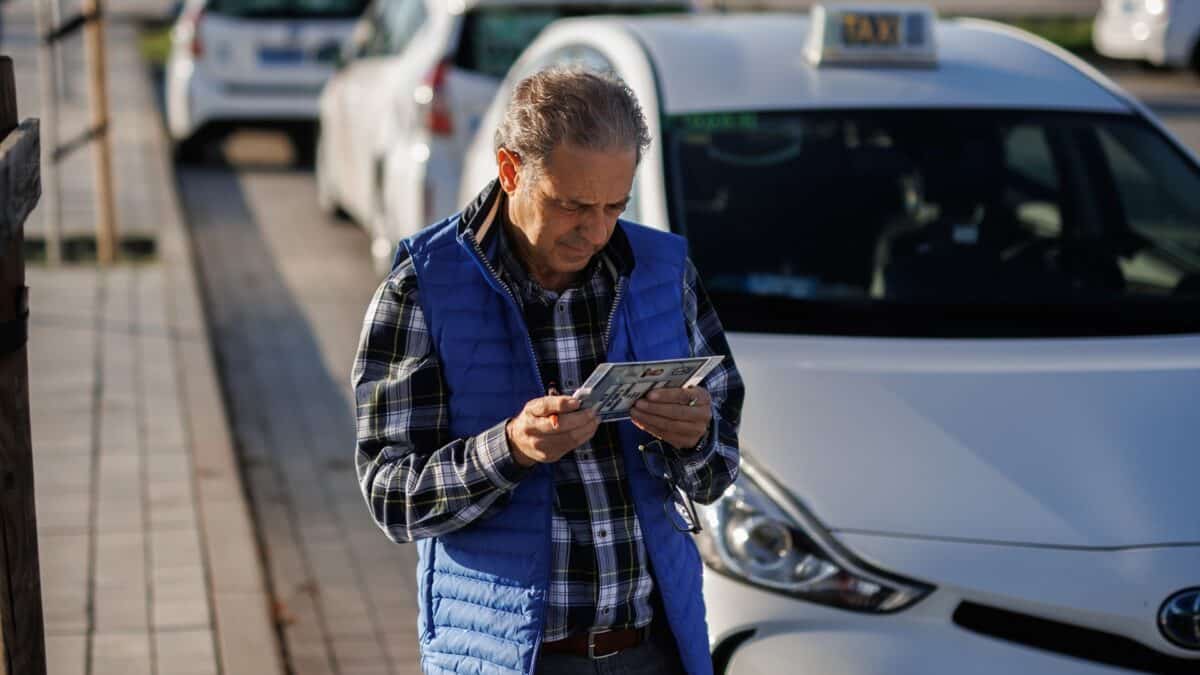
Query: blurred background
(192, 417)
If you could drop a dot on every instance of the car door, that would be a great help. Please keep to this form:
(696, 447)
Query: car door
(365, 62)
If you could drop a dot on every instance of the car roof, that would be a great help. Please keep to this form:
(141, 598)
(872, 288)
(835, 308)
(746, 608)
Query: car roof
(728, 62)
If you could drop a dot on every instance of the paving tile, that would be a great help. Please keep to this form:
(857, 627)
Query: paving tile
(185, 652)
(246, 641)
(121, 654)
(359, 653)
(121, 584)
(66, 654)
(63, 562)
(179, 595)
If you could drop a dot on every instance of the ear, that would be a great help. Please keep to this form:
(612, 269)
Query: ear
(509, 166)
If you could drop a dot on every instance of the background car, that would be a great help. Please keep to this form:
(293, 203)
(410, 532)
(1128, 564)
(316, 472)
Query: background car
(1159, 32)
(417, 78)
(960, 271)
(252, 63)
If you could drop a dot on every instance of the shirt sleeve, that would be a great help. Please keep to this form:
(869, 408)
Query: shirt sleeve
(417, 481)
(708, 469)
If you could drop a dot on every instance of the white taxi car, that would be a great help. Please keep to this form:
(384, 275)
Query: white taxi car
(960, 271)
(417, 77)
(252, 63)
(1160, 32)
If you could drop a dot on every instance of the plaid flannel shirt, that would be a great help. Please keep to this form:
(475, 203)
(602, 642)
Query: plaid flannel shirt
(419, 482)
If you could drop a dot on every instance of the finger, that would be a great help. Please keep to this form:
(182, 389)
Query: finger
(584, 433)
(700, 413)
(662, 433)
(539, 426)
(667, 425)
(552, 405)
(569, 422)
(680, 396)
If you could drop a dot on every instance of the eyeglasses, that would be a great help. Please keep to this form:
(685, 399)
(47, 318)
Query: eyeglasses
(678, 505)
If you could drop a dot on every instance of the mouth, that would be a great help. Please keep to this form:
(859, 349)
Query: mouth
(577, 251)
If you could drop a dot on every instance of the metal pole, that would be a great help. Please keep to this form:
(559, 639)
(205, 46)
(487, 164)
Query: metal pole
(93, 38)
(51, 195)
(60, 74)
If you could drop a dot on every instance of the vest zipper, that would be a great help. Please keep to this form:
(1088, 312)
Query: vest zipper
(612, 313)
(537, 371)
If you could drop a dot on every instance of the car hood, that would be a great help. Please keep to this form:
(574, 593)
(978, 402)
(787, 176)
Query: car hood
(1083, 443)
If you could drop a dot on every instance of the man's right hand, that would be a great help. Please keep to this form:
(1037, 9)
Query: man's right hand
(534, 437)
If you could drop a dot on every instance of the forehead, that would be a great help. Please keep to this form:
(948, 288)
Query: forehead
(589, 176)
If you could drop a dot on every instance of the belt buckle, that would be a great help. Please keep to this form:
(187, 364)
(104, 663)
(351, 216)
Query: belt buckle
(592, 633)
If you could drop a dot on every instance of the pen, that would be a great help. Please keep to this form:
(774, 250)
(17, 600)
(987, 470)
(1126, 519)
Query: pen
(552, 390)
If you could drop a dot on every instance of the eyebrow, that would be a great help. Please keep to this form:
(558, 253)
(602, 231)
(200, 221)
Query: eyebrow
(575, 202)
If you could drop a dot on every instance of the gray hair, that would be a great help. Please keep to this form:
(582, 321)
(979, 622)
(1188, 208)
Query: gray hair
(590, 110)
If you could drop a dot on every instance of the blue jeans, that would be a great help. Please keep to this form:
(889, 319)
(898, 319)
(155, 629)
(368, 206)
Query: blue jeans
(656, 656)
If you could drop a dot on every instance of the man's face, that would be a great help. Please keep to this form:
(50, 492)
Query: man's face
(565, 215)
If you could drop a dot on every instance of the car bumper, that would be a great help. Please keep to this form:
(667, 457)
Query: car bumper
(897, 648)
(195, 99)
(1119, 37)
(793, 636)
(752, 630)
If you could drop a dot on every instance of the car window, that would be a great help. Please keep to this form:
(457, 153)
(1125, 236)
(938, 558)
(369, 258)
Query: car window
(393, 24)
(493, 37)
(934, 222)
(1152, 188)
(403, 19)
(288, 9)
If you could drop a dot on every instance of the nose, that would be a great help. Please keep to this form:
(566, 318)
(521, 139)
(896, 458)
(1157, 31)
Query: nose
(594, 227)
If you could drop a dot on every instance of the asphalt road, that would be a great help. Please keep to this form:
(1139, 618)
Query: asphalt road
(287, 289)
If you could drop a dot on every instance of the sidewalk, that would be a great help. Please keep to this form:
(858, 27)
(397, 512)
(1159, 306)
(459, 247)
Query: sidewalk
(148, 554)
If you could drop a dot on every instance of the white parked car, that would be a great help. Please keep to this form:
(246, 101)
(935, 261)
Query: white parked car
(417, 77)
(960, 270)
(1160, 32)
(240, 63)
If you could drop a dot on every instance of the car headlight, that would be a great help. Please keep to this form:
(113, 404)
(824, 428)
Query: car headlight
(755, 533)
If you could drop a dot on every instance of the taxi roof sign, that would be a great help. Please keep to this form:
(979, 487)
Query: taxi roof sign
(872, 35)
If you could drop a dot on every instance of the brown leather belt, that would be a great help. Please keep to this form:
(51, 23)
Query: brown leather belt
(598, 644)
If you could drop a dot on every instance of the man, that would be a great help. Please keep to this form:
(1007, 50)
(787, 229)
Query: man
(546, 543)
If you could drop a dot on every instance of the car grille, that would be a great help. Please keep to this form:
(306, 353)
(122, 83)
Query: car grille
(1062, 638)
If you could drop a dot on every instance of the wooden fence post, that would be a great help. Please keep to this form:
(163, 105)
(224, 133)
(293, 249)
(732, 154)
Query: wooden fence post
(106, 219)
(21, 623)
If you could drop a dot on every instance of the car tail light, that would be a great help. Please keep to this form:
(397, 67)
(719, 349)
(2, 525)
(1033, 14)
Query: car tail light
(433, 96)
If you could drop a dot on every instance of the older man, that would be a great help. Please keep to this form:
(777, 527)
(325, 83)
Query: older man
(548, 542)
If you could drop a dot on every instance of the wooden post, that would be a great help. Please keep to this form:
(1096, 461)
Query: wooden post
(93, 38)
(21, 626)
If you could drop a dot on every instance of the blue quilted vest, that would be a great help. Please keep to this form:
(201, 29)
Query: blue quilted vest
(482, 589)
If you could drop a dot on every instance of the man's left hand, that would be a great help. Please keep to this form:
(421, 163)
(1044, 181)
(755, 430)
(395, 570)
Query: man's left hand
(677, 416)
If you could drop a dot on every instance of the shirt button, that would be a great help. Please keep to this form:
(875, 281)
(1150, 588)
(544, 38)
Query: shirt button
(562, 308)
(603, 533)
(606, 610)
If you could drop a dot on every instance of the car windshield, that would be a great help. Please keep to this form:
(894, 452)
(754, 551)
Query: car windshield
(493, 37)
(938, 223)
(288, 9)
